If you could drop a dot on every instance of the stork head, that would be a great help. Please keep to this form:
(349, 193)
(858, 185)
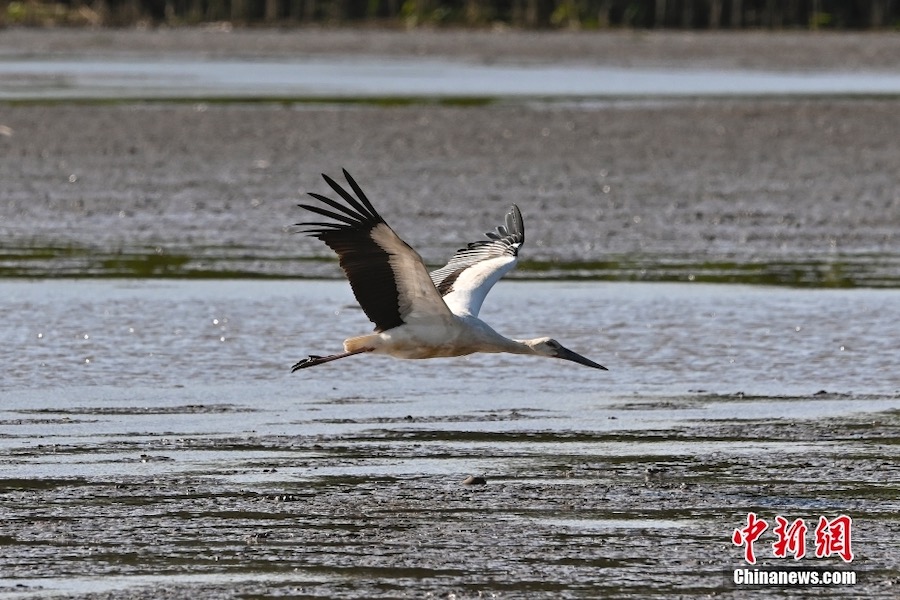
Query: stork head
(549, 347)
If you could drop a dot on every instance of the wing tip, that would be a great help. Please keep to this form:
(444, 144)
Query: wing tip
(515, 223)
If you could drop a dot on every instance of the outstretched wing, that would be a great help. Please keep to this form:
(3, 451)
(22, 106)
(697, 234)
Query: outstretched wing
(388, 277)
(468, 277)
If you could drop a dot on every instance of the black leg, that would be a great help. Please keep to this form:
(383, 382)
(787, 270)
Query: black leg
(313, 360)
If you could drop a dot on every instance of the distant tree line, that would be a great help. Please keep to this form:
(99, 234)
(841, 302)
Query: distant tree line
(584, 14)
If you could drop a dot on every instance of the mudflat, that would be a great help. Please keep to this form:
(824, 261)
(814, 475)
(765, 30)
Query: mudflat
(644, 185)
(782, 50)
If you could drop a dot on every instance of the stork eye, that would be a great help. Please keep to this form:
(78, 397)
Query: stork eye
(553, 344)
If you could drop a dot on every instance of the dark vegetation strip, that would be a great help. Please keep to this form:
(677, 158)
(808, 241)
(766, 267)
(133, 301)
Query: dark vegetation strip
(381, 101)
(872, 271)
(407, 101)
(531, 14)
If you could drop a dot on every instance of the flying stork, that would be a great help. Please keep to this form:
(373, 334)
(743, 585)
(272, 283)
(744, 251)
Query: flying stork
(417, 314)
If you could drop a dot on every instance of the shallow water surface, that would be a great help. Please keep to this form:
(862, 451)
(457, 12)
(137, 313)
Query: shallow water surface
(379, 77)
(655, 338)
(152, 438)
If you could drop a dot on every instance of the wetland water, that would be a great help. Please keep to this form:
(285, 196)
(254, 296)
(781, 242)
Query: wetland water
(154, 444)
(153, 439)
(398, 78)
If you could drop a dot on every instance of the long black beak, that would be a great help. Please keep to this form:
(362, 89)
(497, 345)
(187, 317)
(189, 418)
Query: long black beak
(566, 354)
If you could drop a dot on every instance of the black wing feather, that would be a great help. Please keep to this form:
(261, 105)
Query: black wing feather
(359, 208)
(364, 262)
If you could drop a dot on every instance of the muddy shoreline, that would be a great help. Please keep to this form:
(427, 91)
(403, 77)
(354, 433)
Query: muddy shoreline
(700, 184)
(384, 513)
(755, 190)
(775, 51)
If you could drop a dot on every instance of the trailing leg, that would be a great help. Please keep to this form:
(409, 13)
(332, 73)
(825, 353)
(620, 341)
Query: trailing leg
(313, 360)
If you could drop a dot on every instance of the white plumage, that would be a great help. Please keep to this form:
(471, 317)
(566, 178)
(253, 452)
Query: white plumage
(417, 314)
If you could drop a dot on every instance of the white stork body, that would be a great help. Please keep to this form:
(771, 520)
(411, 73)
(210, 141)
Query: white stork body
(417, 314)
(455, 336)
